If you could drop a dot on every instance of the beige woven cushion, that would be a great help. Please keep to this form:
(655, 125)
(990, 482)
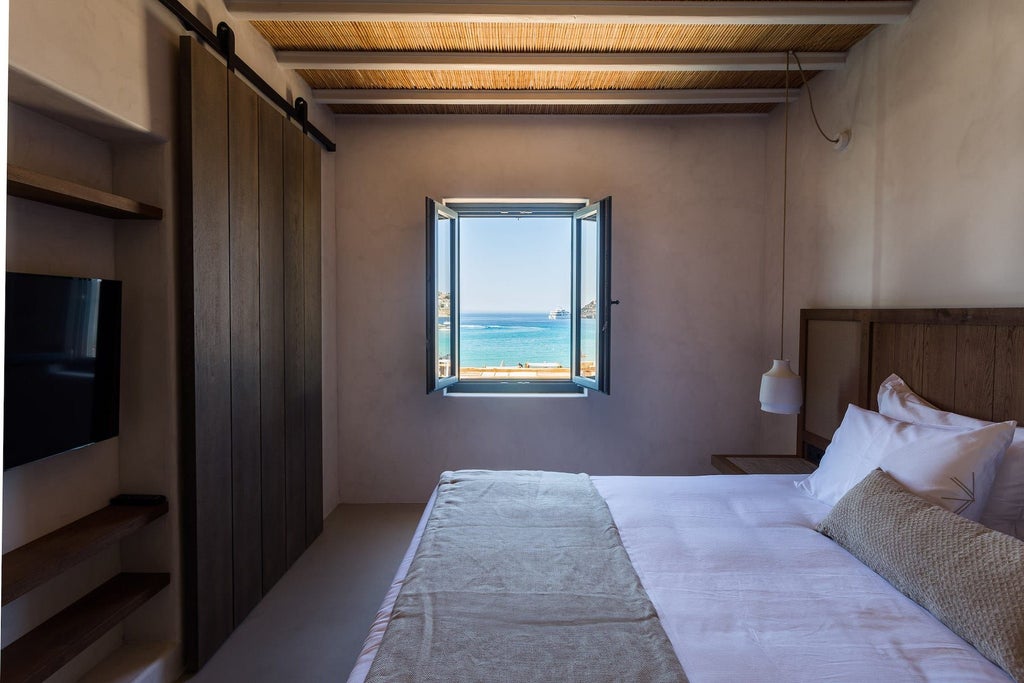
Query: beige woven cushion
(970, 577)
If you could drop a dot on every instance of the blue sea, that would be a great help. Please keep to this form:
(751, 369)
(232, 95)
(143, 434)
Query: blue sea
(493, 339)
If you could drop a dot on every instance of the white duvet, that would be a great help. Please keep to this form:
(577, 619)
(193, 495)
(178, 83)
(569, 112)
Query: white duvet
(748, 591)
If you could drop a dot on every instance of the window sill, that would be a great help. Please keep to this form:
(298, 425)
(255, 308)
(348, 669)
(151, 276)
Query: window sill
(542, 389)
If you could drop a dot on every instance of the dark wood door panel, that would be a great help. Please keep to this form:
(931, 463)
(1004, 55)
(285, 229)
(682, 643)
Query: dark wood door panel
(243, 175)
(294, 346)
(272, 442)
(206, 347)
(251, 343)
(311, 306)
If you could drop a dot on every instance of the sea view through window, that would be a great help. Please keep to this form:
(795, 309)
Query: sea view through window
(526, 345)
(515, 284)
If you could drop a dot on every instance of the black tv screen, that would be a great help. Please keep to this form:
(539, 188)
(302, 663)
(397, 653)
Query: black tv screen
(61, 364)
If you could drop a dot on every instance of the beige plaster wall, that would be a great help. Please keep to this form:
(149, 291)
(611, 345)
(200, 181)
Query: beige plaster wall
(925, 208)
(121, 55)
(687, 265)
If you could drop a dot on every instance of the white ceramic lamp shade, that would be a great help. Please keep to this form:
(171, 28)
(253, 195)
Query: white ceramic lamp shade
(780, 390)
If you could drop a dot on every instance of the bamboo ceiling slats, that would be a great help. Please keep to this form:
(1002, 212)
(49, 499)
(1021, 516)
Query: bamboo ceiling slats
(631, 110)
(513, 51)
(579, 11)
(440, 37)
(546, 80)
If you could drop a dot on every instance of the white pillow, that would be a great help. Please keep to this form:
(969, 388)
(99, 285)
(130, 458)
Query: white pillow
(861, 443)
(1005, 508)
(952, 470)
(898, 401)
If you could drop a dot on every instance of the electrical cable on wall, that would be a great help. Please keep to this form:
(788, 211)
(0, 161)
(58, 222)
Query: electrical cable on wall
(842, 140)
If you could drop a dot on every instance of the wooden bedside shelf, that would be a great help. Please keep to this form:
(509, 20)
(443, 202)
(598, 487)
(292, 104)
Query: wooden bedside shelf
(46, 648)
(39, 187)
(762, 464)
(40, 560)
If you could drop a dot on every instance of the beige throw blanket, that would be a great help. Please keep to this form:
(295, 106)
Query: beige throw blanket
(521, 576)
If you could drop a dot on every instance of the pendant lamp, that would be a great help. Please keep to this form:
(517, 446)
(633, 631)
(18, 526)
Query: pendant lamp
(781, 390)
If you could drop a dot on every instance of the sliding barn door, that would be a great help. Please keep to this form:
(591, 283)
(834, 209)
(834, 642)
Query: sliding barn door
(251, 402)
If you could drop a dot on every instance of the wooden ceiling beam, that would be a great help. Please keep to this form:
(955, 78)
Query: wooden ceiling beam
(548, 61)
(552, 97)
(666, 12)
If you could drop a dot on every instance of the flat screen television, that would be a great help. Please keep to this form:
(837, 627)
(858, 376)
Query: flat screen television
(62, 364)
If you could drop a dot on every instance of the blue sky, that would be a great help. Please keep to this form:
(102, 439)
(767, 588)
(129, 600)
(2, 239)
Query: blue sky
(514, 264)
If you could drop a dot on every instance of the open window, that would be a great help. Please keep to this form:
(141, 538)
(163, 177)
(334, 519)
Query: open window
(591, 295)
(518, 296)
(442, 296)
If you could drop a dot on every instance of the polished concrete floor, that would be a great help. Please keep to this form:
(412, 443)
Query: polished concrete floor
(311, 625)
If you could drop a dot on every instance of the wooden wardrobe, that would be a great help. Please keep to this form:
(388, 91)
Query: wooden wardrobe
(250, 332)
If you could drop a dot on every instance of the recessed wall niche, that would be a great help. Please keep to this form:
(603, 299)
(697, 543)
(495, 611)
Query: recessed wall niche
(61, 136)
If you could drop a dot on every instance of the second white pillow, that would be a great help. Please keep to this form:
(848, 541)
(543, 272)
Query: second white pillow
(952, 470)
(1005, 508)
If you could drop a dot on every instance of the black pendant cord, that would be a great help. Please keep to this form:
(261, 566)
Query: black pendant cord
(223, 42)
(785, 189)
(810, 98)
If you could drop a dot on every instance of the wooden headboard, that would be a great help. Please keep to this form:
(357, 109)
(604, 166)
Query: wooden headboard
(968, 360)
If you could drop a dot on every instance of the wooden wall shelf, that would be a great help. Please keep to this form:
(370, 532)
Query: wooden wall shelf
(44, 558)
(39, 187)
(46, 648)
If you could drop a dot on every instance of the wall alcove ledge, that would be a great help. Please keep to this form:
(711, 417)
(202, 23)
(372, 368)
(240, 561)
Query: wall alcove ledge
(112, 185)
(40, 187)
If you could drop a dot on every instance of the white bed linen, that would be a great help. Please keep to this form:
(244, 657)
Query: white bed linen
(747, 590)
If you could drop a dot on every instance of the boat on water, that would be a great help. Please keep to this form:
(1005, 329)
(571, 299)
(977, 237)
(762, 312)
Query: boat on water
(558, 314)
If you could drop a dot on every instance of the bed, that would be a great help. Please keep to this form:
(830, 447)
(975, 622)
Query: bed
(744, 586)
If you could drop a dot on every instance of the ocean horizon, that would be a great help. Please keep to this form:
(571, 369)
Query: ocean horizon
(510, 338)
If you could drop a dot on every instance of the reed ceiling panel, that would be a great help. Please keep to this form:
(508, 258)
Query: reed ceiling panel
(568, 38)
(546, 80)
(547, 109)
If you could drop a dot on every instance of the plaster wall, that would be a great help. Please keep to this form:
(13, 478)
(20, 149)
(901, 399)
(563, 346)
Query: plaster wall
(687, 266)
(925, 208)
(121, 55)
